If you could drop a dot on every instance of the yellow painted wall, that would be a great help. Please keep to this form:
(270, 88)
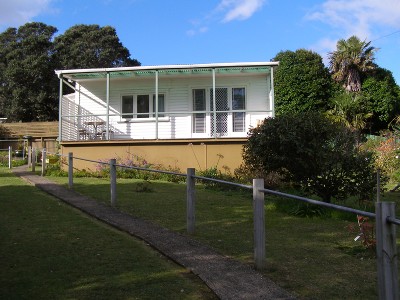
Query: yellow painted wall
(199, 154)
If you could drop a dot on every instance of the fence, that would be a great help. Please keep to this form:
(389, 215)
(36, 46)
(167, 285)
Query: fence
(9, 150)
(386, 221)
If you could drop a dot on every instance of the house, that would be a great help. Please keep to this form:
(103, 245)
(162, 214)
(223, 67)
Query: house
(177, 115)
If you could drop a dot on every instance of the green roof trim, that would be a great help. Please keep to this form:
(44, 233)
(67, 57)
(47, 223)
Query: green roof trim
(170, 72)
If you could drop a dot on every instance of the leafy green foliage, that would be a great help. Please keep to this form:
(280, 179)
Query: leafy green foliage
(386, 153)
(302, 82)
(310, 150)
(381, 97)
(14, 162)
(28, 87)
(91, 46)
(131, 162)
(30, 54)
(215, 173)
(350, 110)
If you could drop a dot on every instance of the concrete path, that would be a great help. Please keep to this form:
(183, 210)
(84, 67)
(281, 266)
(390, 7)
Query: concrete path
(228, 278)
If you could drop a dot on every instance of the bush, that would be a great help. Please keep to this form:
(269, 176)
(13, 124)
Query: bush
(319, 155)
(386, 156)
(216, 174)
(14, 162)
(135, 161)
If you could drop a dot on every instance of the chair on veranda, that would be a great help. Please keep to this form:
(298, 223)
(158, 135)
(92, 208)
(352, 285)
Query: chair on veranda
(83, 134)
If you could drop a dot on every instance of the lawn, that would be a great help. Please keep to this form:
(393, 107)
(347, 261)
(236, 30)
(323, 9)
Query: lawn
(49, 250)
(313, 258)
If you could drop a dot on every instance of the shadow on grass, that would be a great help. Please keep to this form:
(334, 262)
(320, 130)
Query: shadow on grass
(49, 251)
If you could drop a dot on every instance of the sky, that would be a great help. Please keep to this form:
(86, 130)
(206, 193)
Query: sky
(160, 32)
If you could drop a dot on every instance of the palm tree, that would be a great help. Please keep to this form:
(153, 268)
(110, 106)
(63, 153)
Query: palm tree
(351, 58)
(348, 110)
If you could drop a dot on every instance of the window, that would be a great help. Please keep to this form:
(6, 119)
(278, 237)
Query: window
(199, 104)
(161, 105)
(127, 107)
(143, 106)
(139, 106)
(238, 103)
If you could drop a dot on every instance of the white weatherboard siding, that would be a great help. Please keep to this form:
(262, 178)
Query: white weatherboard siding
(89, 104)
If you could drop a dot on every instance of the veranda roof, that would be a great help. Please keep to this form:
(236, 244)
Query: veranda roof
(140, 71)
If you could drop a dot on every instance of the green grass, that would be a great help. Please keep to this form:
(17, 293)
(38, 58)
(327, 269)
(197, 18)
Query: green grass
(312, 257)
(49, 250)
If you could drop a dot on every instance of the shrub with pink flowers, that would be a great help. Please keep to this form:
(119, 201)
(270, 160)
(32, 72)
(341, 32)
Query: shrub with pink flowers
(126, 168)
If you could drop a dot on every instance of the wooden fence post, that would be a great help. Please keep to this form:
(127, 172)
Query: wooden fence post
(70, 170)
(9, 157)
(386, 251)
(33, 159)
(190, 200)
(29, 156)
(43, 161)
(259, 223)
(113, 181)
(378, 185)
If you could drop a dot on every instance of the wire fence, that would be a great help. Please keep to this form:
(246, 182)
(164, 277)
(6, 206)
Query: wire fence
(386, 220)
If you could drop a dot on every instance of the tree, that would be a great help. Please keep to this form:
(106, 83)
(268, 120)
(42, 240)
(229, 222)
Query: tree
(320, 155)
(28, 87)
(302, 82)
(91, 46)
(350, 110)
(29, 55)
(381, 97)
(351, 58)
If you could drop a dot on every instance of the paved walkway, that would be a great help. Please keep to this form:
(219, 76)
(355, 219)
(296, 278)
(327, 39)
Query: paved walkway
(228, 278)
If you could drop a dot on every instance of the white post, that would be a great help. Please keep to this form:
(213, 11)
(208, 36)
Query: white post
(9, 157)
(108, 107)
(60, 112)
(259, 224)
(156, 104)
(386, 251)
(33, 159)
(43, 161)
(190, 200)
(214, 105)
(272, 97)
(70, 170)
(113, 181)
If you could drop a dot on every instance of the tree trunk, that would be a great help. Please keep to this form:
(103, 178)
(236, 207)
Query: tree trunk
(353, 81)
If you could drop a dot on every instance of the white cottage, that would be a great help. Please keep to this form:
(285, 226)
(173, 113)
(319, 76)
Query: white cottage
(172, 104)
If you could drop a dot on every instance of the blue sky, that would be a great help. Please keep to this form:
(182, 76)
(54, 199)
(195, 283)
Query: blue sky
(208, 31)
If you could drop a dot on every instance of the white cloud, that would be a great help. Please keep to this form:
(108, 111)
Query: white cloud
(359, 17)
(18, 12)
(226, 11)
(239, 9)
(323, 47)
(193, 32)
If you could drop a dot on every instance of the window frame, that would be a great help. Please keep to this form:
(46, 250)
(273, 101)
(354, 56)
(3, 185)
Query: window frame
(232, 128)
(202, 115)
(134, 115)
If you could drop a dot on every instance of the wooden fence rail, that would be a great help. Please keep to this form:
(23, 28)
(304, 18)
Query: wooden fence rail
(386, 222)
